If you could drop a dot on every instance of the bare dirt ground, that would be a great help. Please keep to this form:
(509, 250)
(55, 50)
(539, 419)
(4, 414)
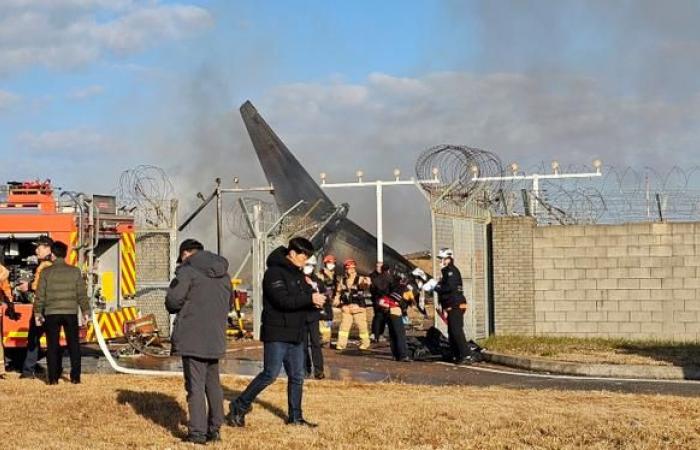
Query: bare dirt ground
(117, 411)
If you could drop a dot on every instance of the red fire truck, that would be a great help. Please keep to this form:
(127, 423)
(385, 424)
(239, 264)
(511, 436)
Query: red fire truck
(100, 239)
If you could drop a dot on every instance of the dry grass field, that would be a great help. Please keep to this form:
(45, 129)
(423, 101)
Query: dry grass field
(598, 350)
(120, 412)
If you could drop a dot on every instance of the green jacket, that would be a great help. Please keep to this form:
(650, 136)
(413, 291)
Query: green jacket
(61, 290)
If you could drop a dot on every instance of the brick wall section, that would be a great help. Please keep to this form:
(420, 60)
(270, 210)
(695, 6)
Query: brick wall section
(514, 275)
(153, 257)
(153, 266)
(635, 281)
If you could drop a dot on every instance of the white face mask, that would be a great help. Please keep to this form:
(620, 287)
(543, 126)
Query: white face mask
(308, 270)
(330, 267)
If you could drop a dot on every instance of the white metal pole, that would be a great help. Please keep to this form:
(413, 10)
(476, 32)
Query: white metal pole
(258, 268)
(380, 225)
(536, 194)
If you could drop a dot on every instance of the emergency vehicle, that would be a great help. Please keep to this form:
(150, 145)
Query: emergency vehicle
(100, 239)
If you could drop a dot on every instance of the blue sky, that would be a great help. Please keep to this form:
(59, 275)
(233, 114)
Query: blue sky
(89, 88)
(280, 42)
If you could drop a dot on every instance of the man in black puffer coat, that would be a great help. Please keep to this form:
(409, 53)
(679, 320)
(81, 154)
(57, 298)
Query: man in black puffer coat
(287, 300)
(200, 294)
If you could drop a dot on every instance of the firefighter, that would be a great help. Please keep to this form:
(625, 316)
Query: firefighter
(419, 279)
(349, 294)
(5, 297)
(313, 355)
(393, 304)
(330, 278)
(453, 303)
(45, 259)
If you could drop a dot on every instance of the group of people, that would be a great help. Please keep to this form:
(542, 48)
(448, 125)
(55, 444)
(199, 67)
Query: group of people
(58, 293)
(296, 300)
(390, 294)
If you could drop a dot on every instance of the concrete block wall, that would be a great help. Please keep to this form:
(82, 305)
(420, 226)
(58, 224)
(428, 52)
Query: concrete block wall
(514, 275)
(153, 276)
(152, 257)
(634, 281)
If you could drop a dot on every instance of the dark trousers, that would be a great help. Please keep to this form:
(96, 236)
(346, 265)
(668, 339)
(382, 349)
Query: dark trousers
(313, 356)
(32, 357)
(277, 354)
(379, 321)
(69, 323)
(397, 336)
(455, 333)
(203, 387)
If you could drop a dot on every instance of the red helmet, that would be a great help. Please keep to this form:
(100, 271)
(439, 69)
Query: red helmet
(329, 259)
(349, 263)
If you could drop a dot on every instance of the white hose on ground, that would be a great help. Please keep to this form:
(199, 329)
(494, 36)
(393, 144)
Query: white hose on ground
(125, 370)
(105, 351)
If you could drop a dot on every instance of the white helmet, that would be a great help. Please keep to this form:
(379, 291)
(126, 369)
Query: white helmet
(446, 253)
(418, 273)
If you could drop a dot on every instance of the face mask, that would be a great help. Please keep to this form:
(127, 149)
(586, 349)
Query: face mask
(420, 284)
(308, 270)
(330, 266)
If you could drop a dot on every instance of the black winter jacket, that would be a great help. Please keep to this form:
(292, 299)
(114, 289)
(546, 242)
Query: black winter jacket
(449, 289)
(383, 284)
(200, 295)
(286, 300)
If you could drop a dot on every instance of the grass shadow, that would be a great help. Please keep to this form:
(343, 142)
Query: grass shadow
(232, 394)
(159, 408)
(684, 355)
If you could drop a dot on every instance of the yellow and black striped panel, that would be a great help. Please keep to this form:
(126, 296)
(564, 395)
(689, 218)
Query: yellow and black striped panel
(112, 323)
(73, 256)
(127, 265)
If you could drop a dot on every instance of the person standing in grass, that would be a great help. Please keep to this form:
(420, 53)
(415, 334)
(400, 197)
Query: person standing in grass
(60, 293)
(288, 298)
(200, 294)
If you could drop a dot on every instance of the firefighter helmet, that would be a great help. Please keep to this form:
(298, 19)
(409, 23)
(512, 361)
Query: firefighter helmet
(446, 253)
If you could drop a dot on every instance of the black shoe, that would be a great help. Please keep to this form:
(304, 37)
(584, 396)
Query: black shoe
(27, 376)
(52, 382)
(236, 416)
(405, 359)
(213, 436)
(302, 423)
(466, 361)
(77, 381)
(195, 439)
(320, 376)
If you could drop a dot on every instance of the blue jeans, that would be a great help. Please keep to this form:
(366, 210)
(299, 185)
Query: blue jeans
(35, 333)
(276, 355)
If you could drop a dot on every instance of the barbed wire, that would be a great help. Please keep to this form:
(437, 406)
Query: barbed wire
(146, 191)
(455, 166)
(238, 223)
(620, 195)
